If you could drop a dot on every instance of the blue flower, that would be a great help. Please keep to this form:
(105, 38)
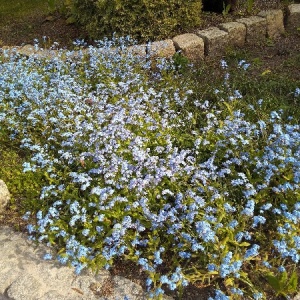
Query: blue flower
(164, 279)
(48, 256)
(297, 242)
(149, 281)
(30, 228)
(145, 265)
(266, 264)
(230, 267)
(233, 224)
(229, 208)
(249, 209)
(159, 291)
(258, 220)
(281, 269)
(78, 267)
(157, 258)
(62, 259)
(205, 232)
(257, 296)
(224, 64)
(184, 254)
(266, 206)
(281, 247)
(211, 267)
(297, 92)
(219, 295)
(253, 251)
(243, 64)
(237, 291)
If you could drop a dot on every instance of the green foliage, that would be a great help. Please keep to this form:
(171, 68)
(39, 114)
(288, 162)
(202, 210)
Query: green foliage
(24, 187)
(60, 6)
(51, 5)
(141, 19)
(181, 62)
(20, 9)
(226, 9)
(136, 120)
(250, 4)
(283, 285)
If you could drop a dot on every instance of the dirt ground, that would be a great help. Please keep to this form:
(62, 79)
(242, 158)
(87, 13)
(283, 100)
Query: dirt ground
(39, 24)
(54, 28)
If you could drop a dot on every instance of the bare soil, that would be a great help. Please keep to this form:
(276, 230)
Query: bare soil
(39, 24)
(54, 27)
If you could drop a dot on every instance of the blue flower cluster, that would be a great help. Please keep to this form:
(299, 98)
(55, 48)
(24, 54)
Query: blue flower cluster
(127, 177)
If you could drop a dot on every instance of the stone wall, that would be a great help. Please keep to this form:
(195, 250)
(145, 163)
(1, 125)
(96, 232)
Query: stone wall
(251, 30)
(213, 40)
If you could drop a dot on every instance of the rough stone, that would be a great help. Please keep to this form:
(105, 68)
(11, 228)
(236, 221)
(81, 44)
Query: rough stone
(293, 17)
(28, 276)
(215, 40)
(85, 285)
(53, 295)
(162, 48)
(24, 288)
(297, 297)
(4, 196)
(137, 50)
(26, 50)
(124, 286)
(236, 33)
(255, 28)
(29, 50)
(191, 46)
(275, 25)
(7, 278)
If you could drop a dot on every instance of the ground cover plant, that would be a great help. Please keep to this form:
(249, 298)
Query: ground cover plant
(131, 159)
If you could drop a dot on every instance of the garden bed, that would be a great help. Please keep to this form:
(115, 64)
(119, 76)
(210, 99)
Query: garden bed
(194, 186)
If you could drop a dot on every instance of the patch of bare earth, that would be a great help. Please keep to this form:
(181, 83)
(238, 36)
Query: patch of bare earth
(54, 28)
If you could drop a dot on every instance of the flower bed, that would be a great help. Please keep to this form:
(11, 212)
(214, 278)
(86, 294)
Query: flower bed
(133, 165)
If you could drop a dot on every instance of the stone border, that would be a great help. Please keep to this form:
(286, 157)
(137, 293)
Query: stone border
(251, 30)
(213, 40)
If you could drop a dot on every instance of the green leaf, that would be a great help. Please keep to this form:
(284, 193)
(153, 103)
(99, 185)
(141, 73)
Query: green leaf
(273, 282)
(229, 282)
(282, 280)
(228, 107)
(244, 278)
(244, 244)
(293, 282)
(71, 20)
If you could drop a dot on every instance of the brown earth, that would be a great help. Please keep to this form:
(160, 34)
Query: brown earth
(56, 29)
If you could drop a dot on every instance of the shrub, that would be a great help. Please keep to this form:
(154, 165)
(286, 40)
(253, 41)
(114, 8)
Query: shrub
(138, 168)
(140, 19)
